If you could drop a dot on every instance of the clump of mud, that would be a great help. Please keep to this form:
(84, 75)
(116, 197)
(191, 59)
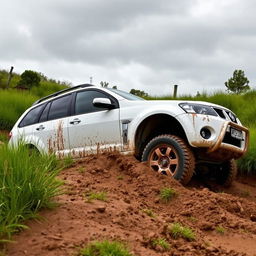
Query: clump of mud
(133, 212)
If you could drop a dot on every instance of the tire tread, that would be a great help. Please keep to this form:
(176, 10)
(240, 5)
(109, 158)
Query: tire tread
(189, 159)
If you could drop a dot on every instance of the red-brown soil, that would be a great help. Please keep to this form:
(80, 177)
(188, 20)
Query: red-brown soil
(132, 187)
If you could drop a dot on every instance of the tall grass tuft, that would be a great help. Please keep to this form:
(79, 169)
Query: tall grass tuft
(105, 248)
(27, 183)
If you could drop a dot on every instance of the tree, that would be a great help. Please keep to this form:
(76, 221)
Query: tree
(138, 93)
(238, 83)
(29, 79)
(104, 84)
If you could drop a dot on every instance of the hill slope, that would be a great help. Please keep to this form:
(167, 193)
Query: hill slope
(223, 224)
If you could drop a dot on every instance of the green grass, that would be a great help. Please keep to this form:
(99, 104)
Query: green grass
(247, 164)
(12, 104)
(27, 183)
(166, 194)
(102, 196)
(3, 138)
(177, 230)
(105, 248)
(161, 242)
(192, 219)
(149, 212)
(81, 169)
(46, 88)
(120, 177)
(220, 230)
(67, 162)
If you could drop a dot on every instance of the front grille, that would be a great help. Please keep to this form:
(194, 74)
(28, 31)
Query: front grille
(225, 114)
(230, 140)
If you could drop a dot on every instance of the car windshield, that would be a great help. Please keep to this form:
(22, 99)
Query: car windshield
(125, 95)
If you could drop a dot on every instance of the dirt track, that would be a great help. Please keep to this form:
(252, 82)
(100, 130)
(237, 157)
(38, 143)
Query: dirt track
(132, 187)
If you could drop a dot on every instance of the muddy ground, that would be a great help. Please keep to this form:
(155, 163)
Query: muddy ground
(224, 221)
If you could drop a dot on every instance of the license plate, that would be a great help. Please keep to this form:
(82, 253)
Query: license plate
(236, 134)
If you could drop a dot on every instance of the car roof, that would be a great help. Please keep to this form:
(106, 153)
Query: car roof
(62, 92)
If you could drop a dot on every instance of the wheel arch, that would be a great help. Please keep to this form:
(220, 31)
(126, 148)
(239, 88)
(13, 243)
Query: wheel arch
(155, 125)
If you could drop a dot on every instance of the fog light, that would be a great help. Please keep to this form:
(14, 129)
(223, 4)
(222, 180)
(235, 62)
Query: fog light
(205, 133)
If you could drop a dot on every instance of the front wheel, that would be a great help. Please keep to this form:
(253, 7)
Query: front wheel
(227, 173)
(170, 155)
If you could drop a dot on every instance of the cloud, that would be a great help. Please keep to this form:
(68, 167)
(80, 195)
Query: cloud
(134, 44)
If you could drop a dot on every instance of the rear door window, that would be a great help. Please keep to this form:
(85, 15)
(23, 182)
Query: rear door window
(44, 114)
(32, 116)
(60, 107)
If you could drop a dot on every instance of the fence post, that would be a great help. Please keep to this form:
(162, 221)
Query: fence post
(175, 90)
(9, 78)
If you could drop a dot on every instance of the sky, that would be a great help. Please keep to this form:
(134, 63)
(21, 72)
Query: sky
(148, 45)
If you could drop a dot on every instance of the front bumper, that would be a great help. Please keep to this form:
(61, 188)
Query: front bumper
(220, 145)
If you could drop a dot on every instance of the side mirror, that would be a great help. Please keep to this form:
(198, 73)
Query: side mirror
(103, 103)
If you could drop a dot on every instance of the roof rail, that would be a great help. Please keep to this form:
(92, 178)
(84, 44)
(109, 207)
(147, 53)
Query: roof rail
(61, 92)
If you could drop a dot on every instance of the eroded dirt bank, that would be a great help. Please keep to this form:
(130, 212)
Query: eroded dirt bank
(224, 222)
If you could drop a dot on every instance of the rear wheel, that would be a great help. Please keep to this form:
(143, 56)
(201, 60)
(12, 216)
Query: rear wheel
(170, 155)
(32, 150)
(227, 173)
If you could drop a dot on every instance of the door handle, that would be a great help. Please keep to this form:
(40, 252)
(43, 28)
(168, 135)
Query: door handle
(75, 121)
(40, 128)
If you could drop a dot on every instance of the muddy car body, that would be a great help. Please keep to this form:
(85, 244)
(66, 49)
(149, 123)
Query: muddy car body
(173, 136)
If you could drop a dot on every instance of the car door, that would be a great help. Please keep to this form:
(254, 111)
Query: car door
(93, 128)
(51, 130)
(28, 125)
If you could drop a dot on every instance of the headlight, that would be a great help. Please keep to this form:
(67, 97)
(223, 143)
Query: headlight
(198, 109)
(232, 117)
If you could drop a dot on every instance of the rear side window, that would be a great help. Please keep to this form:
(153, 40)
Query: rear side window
(59, 108)
(32, 116)
(84, 102)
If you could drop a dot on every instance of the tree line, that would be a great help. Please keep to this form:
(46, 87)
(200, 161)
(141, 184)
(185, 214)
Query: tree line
(237, 84)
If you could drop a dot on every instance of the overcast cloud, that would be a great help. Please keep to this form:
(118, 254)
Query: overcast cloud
(142, 44)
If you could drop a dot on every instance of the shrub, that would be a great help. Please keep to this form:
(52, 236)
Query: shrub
(29, 79)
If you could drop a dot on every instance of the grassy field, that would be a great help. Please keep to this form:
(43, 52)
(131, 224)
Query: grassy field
(13, 104)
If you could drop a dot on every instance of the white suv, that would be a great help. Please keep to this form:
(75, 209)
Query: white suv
(174, 137)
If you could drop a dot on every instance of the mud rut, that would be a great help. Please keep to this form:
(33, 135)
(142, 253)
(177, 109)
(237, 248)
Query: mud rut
(132, 187)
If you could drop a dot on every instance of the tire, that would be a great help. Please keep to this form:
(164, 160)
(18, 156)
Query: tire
(227, 173)
(32, 150)
(170, 155)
